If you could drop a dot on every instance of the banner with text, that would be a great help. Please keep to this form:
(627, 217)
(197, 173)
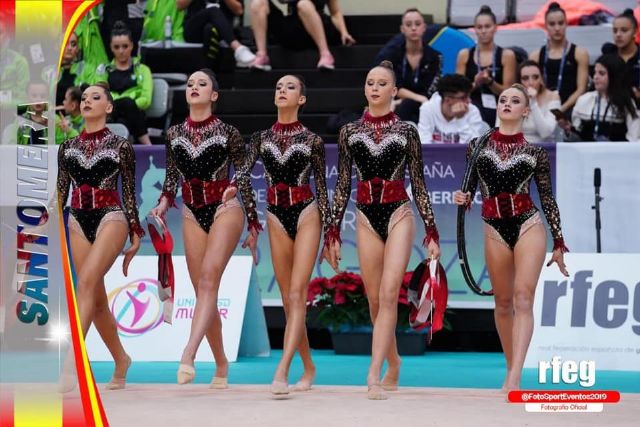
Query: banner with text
(592, 315)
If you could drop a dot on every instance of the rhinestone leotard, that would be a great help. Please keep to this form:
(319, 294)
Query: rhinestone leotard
(96, 159)
(507, 164)
(289, 153)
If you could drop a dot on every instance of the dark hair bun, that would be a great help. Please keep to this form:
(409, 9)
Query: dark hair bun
(484, 9)
(554, 6)
(386, 64)
(628, 12)
(120, 26)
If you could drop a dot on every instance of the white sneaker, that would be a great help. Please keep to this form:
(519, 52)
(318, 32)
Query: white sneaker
(244, 57)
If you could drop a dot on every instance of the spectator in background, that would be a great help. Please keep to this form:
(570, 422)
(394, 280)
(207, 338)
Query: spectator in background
(155, 15)
(130, 12)
(90, 40)
(491, 68)
(449, 117)
(14, 71)
(416, 64)
(625, 28)
(32, 127)
(607, 113)
(130, 83)
(74, 71)
(540, 124)
(565, 66)
(306, 26)
(205, 23)
(72, 114)
(232, 9)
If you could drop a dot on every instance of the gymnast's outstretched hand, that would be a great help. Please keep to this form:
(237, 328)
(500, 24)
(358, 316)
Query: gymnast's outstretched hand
(558, 257)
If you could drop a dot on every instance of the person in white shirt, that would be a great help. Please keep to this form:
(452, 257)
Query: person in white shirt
(449, 117)
(609, 112)
(540, 123)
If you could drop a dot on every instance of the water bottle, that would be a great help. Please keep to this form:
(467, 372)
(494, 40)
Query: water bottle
(167, 32)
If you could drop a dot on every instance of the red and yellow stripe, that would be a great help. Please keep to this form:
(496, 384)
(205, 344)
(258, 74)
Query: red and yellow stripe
(27, 19)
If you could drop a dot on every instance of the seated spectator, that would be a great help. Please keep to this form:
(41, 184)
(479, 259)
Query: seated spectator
(540, 123)
(304, 27)
(232, 10)
(14, 71)
(72, 114)
(155, 15)
(625, 28)
(565, 66)
(130, 12)
(490, 67)
(416, 64)
(73, 70)
(32, 127)
(90, 40)
(205, 23)
(608, 113)
(130, 83)
(449, 117)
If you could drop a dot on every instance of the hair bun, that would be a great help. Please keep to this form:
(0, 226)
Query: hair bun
(628, 12)
(120, 25)
(386, 64)
(485, 9)
(554, 6)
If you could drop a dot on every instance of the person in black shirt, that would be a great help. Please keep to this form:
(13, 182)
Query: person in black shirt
(565, 66)
(625, 27)
(416, 64)
(491, 68)
(130, 82)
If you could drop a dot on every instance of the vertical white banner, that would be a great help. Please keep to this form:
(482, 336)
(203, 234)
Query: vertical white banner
(620, 209)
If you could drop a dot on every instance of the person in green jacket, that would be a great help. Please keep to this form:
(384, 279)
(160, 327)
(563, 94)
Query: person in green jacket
(90, 40)
(155, 15)
(32, 127)
(130, 83)
(14, 72)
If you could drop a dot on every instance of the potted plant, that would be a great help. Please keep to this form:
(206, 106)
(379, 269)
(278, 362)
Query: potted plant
(340, 304)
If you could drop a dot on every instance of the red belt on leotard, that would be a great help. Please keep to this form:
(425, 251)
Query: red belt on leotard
(198, 193)
(87, 197)
(378, 190)
(284, 196)
(506, 205)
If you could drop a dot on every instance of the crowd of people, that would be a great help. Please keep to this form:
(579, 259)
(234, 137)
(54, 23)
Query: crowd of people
(567, 104)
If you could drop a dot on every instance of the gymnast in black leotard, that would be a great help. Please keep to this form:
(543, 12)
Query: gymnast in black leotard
(289, 153)
(98, 223)
(504, 168)
(382, 148)
(200, 152)
(515, 237)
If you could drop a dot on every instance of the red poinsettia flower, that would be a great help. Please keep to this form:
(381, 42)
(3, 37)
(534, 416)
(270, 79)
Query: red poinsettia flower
(349, 282)
(316, 287)
(339, 298)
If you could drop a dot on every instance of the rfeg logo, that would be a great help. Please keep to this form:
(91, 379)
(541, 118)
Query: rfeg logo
(614, 303)
(136, 307)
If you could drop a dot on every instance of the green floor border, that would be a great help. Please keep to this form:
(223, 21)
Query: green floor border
(436, 369)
